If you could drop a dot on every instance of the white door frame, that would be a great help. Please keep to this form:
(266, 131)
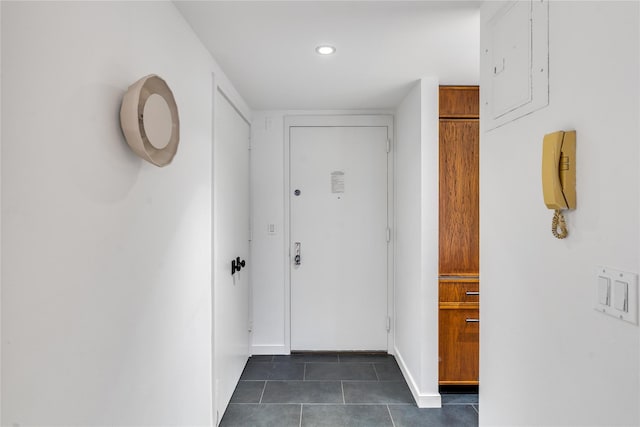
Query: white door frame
(335, 121)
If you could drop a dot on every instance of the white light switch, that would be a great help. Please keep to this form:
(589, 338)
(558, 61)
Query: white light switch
(621, 294)
(617, 294)
(604, 289)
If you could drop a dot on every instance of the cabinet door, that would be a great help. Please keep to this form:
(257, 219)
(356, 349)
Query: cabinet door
(459, 346)
(459, 102)
(459, 218)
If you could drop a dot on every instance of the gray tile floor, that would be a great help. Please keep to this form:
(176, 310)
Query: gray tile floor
(336, 390)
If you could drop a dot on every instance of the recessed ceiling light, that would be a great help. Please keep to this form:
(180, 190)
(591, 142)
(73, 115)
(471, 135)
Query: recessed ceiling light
(325, 50)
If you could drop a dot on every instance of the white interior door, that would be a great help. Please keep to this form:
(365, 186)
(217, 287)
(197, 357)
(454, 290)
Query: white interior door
(231, 240)
(338, 220)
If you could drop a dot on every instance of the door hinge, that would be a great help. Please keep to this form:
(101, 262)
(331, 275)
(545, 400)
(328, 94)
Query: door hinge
(388, 145)
(388, 234)
(388, 324)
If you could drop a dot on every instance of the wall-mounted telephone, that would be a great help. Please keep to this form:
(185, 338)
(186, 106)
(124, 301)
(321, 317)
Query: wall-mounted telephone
(559, 177)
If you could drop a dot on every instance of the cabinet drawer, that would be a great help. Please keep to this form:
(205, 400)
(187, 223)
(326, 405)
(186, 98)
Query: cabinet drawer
(459, 346)
(467, 291)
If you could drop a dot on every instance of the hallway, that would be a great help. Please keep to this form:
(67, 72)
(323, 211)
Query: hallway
(336, 390)
(118, 302)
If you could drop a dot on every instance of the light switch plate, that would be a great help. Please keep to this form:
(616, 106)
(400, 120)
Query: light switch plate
(616, 294)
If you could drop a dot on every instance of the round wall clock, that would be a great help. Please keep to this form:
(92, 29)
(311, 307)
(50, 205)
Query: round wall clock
(149, 120)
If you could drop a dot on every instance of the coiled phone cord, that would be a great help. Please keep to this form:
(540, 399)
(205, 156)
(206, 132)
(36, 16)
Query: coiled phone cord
(558, 223)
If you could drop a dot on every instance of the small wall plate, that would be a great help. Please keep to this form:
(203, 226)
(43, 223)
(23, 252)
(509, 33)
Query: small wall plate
(616, 294)
(149, 120)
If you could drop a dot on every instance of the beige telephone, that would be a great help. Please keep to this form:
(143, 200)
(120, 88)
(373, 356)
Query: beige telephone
(559, 177)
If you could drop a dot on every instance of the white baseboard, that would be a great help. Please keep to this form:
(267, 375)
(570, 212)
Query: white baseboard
(422, 400)
(269, 349)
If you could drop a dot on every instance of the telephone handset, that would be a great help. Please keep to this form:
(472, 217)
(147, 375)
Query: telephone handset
(559, 177)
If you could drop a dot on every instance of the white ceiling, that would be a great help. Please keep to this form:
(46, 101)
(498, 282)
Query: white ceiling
(267, 49)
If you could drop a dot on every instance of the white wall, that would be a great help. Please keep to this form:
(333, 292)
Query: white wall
(408, 241)
(106, 279)
(416, 240)
(268, 334)
(547, 358)
(429, 253)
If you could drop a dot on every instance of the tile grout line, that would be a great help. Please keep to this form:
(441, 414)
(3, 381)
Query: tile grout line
(475, 409)
(344, 402)
(263, 389)
(300, 423)
(304, 372)
(321, 404)
(459, 404)
(391, 416)
(347, 380)
(376, 371)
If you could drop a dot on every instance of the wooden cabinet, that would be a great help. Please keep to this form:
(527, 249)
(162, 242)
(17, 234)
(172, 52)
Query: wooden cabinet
(459, 331)
(459, 296)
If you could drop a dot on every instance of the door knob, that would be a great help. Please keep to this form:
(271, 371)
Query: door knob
(237, 265)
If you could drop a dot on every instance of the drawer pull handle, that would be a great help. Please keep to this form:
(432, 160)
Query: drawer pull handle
(473, 293)
(472, 320)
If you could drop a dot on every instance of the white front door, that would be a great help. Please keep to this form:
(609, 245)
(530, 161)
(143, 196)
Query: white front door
(338, 227)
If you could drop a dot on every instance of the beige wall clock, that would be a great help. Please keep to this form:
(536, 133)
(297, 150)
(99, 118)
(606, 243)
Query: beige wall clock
(149, 120)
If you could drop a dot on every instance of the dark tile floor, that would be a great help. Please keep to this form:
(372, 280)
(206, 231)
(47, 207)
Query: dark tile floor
(336, 390)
